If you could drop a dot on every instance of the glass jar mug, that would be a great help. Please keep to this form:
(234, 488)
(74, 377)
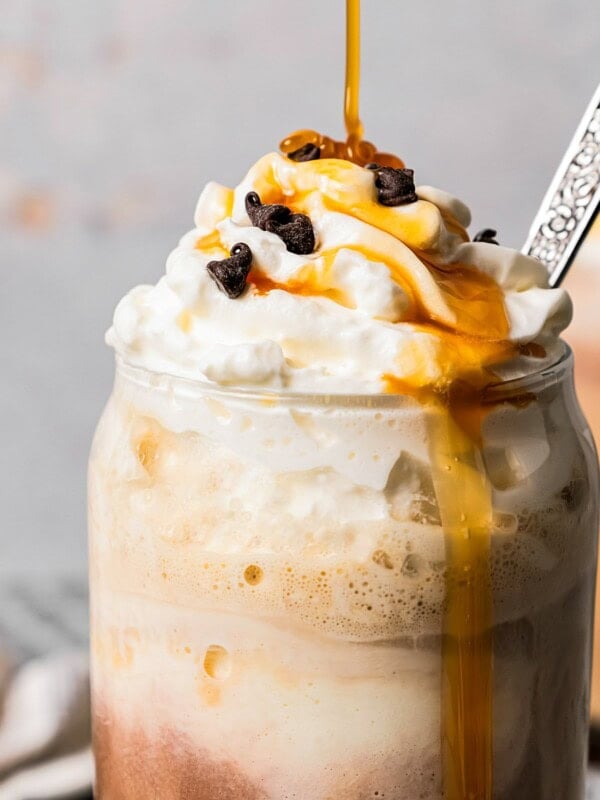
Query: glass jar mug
(341, 596)
(583, 335)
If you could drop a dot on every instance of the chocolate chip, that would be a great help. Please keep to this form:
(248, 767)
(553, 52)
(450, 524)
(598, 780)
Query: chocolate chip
(395, 187)
(372, 165)
(295, 230)
(297, 233)
(487, 235)
(260, 215)
(230, 274)
(308, 152)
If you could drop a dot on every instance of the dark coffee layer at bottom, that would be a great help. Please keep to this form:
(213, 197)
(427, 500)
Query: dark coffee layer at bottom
(132, 766)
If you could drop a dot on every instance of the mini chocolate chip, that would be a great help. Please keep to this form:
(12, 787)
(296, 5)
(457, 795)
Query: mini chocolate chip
(308, 152)
(297, 233)
(395, 187)
(295, 230)
(372, 165)
(487, 235)
(230, 274)
(260, 215)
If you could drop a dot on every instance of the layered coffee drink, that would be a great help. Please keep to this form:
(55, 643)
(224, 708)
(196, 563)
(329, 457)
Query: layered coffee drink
(343, 506)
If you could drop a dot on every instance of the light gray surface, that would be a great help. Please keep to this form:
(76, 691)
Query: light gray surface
(113, 115)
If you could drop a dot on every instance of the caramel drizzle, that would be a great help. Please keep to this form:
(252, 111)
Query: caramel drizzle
(354, 127)
(474, 298)
(465, 503)
(354, 148)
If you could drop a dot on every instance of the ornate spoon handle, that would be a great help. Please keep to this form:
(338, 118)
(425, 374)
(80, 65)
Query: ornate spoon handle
(572, 201)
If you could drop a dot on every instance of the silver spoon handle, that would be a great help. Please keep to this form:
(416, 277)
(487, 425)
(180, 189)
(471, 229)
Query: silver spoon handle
(572, 201)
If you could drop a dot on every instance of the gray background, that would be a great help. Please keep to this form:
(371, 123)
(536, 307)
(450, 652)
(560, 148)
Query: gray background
(114, 113)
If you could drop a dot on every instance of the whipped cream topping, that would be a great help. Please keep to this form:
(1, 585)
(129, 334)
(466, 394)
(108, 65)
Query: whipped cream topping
(389, 293)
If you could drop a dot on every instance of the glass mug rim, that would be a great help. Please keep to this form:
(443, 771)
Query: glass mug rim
(553, 373)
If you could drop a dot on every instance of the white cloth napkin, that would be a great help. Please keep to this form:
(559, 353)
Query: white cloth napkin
(45, 751)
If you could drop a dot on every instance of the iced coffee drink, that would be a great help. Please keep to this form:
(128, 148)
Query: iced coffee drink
(343, 507)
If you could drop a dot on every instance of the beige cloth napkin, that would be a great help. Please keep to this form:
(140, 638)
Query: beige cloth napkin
(45, 751)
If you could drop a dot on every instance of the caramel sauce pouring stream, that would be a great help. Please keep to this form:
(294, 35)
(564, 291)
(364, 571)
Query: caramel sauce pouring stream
(464, 497)
(354, 127)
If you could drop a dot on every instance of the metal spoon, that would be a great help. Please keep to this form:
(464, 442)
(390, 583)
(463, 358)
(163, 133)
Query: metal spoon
(572, 200)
